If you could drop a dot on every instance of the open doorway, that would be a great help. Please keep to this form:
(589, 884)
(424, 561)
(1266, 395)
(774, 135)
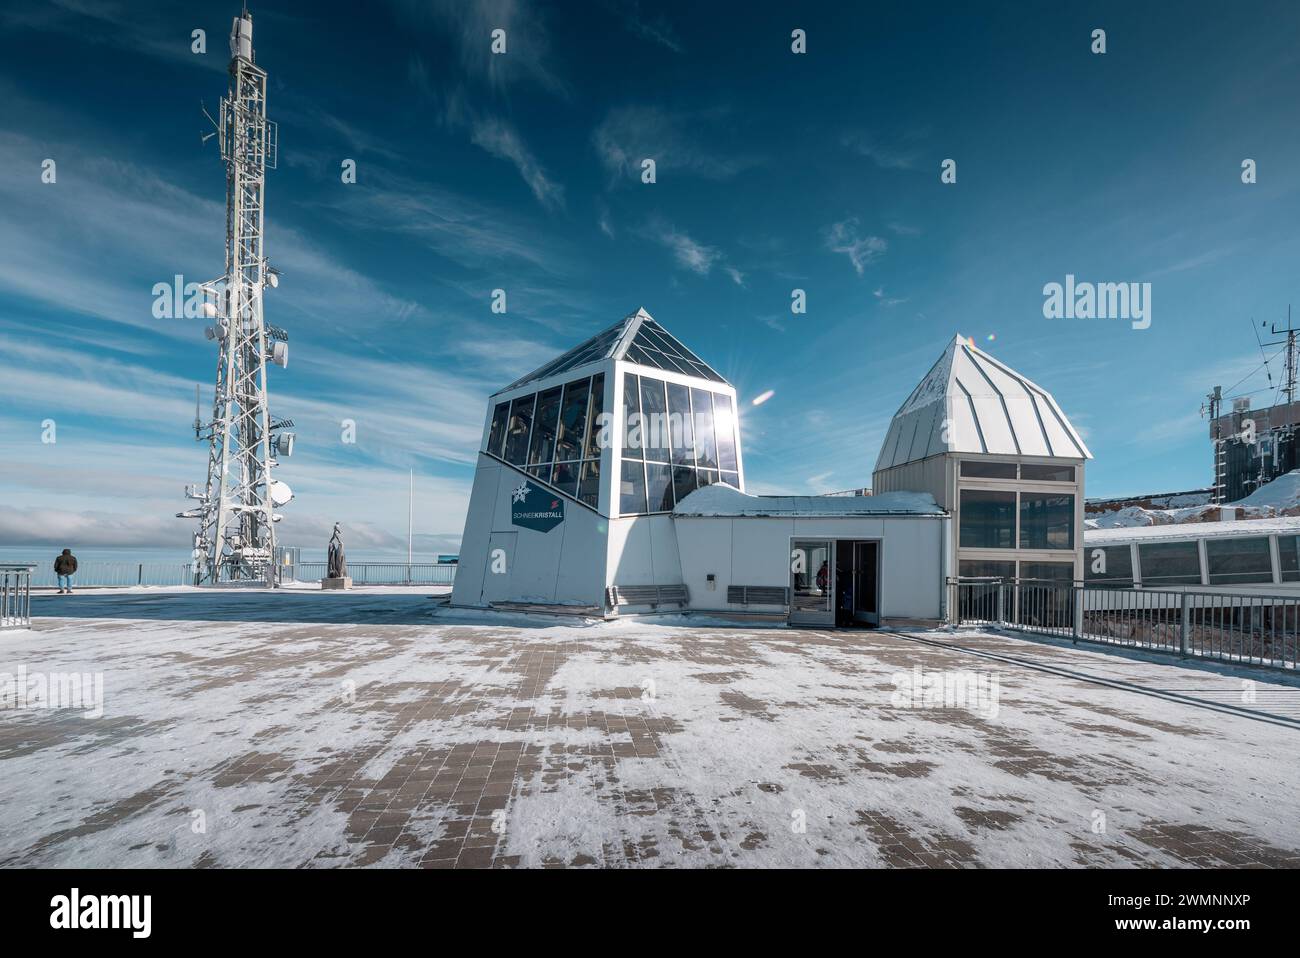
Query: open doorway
(857, 583)
(835, 582)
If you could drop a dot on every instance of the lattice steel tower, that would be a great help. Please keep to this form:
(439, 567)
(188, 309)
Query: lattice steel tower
(235, 541)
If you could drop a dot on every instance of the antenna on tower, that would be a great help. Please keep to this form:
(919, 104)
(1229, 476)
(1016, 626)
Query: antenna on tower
(1290, 385)
(235, 541)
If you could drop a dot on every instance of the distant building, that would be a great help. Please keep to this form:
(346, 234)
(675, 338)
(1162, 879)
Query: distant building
(1252, 447)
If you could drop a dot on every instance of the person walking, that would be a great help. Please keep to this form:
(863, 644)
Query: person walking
(65, 566)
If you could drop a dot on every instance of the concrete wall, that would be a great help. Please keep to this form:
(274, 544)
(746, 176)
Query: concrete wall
(755, 550)
(564, 566)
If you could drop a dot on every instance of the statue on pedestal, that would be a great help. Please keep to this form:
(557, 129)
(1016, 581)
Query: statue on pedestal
(336, 569)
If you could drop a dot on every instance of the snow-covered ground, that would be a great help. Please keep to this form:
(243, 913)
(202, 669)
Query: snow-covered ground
(1281, 497)
(326, 730)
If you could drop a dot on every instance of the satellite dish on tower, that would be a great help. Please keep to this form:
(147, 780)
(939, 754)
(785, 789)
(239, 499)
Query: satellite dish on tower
(281, 494)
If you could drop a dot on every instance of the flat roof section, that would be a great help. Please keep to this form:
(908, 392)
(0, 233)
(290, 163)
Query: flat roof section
(722, 500)
(1243, 528)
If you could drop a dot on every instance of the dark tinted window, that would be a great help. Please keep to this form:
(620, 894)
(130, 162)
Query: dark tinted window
(521, 420)
(1039, 472)
(681, 429)
(983, 469)
(1233, 561)
(545, 421)
(1109, 566)
(573, 420)
(988, 519)
(1170, 563)
(1046, 521)
(597, 428)
(496, 443)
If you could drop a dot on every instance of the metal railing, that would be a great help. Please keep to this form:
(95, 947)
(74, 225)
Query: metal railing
(384, 573)
(94, 573)
(1245, 628)
(15, 595)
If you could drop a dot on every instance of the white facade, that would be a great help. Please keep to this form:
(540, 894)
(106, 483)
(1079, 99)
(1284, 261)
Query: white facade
(612, 480)
(996, 451)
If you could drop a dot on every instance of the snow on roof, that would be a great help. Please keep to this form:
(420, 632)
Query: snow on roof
(721, 499)
(971, 403)
(1245, 528)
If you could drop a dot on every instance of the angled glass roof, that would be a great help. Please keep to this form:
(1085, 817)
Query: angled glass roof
(652, 345)
(598, 347)
(636, 338)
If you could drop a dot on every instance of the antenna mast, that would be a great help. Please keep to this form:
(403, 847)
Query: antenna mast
(235, 541)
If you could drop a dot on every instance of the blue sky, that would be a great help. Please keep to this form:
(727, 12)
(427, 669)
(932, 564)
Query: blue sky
(522, 172)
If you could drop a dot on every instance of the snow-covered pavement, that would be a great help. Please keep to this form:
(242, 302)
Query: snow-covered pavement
(325, 730)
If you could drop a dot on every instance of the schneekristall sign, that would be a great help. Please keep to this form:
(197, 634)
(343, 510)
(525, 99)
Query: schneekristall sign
(533, 507)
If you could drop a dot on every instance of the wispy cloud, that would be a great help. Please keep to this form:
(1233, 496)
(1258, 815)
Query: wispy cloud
(469, 24)
(629, 134)
(654, 28)
(843, 237)
(689, 253)
(902, 155)
(503, 140)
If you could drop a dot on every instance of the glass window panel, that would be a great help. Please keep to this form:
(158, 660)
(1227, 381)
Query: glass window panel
(1058, 573)
(654, 419)
(983, 469)
(1038, 472)
(573, 419)
(589, 491)
(542, 447)
(1235, 560)
(1109, 566)
(724, 426)
(637, 355)
(1046, 521)
(732, 479)
(1288, 556)
(521, 420)
(659, 487)
(988, 519)
(597, 429)
(633, 426)
(631, 494)
(565, 478)
(681, 431)
(985, 569)
(706, 449)
(683, 482)
(706, 477)
(542, 471)
(1170, 563)
(496, 443)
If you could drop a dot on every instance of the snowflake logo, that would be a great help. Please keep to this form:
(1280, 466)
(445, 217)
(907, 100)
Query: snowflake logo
(522, 492)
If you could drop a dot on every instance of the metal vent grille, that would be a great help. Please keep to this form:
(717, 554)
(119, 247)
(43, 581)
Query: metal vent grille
(651, 595)
(757, 595)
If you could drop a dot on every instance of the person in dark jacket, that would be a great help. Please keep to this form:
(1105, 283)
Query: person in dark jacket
(65, 566)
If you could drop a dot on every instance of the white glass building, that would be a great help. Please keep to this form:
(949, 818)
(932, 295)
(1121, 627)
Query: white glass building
(612, 479)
